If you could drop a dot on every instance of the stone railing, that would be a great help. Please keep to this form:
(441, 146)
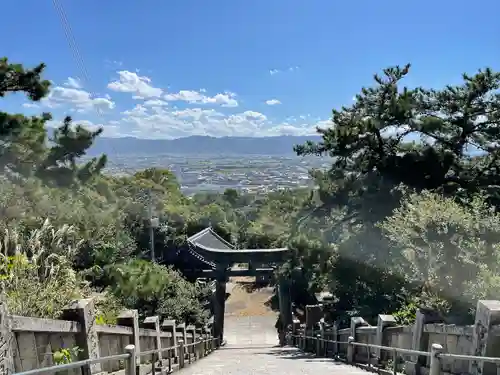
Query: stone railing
(465, 349)
(30, 343)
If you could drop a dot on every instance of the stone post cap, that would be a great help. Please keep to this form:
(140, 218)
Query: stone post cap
(386, 318)
(168, 323)
(151, 319)
(128, 314)
(79, 303)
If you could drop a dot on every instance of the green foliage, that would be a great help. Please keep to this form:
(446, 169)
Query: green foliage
(45, 263)
(447, 247)
(405, 218)
(36, 279)
(401, 201)
(156, 290)
(66, 355)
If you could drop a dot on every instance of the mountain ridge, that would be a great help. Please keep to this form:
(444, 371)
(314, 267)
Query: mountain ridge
(198, 144)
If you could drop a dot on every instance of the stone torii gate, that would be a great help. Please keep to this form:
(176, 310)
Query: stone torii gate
(220, 256)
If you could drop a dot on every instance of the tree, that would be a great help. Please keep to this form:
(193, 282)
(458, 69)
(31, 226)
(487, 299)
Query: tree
(157, 290)
(393, 136)
(446, 249)
(420, 137)
(24, 149)
(68, 145)
(14, 78)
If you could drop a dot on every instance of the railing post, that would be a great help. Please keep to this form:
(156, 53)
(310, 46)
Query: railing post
(181, 353)
(87, 339)
(130, 318)
(199, 348)
(435, 367)
(153, 322)
(130, 362)
(7, 342)
(318, 344)
(350, 350)
(335, 337)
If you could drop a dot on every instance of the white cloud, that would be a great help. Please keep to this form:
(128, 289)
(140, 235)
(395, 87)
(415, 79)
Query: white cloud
(161, 122)
(110, 128)
(113, 63)
(75, 99)
(73, 83)
(133, 83)
(138, 111)
(273, 102)
(254, 115)
(155, 103)
(226, 99)
(290, 69)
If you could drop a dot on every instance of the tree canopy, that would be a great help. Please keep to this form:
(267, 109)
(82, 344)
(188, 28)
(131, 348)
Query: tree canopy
(405, 217)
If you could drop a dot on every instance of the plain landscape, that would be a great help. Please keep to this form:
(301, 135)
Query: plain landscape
(181, 179)
(203, 164)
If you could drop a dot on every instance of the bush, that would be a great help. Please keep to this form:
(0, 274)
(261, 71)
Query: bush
(154, 289)
(448, 248)
(36, 274)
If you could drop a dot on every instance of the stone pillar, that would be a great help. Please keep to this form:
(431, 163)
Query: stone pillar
(200, 337)
(168, 325)
(207, 332)
(153, 322)
(484, 344)
(420, 340)
(356, 322)
(323, 346)
(220, 304)
(130, 318)
(181, 328)
(83, 312)
(6, 341)
(285, 301)
(335, 338)
(382, 322)
(191, 331)
(295, 332)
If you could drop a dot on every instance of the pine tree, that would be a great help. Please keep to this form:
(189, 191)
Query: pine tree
(437, 139)
(24, 148)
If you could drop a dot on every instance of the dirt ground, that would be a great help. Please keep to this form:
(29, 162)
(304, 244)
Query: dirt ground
(245, 300)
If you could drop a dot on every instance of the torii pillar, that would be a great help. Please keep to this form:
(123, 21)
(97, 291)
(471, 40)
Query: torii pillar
(285, 300)
(220, 304)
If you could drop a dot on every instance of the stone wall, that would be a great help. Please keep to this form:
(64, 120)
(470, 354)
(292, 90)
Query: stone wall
(34, 340)
(480, 339)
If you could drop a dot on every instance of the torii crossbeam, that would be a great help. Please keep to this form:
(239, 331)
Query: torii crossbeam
(220, 256)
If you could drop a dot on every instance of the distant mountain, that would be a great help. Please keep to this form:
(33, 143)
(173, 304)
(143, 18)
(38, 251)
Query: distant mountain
(199, 145)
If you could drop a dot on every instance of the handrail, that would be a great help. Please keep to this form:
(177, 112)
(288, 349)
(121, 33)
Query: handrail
(73, 365)
(436, 353)
(129, 356)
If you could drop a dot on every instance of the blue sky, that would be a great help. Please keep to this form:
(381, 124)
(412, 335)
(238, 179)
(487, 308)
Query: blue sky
(166, 69)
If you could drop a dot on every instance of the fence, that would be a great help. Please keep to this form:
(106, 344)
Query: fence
(435, 355)
(30, 345)
(200, 349)
(426, 346)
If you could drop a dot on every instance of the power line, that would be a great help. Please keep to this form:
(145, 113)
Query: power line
(75, 51)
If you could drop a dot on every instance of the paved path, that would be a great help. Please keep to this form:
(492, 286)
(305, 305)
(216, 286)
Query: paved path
(250, 331)
(267, 361)
(251, 350)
